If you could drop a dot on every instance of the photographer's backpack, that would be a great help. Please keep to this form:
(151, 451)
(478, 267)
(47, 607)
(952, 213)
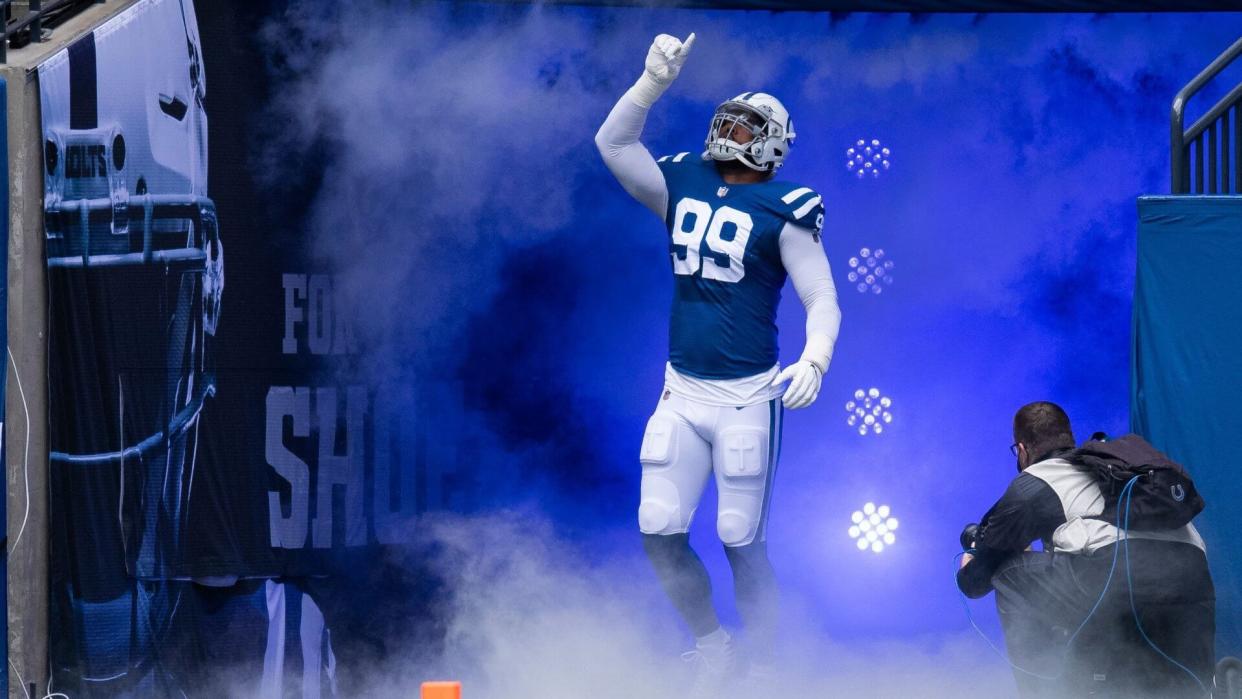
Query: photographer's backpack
(1164, 497)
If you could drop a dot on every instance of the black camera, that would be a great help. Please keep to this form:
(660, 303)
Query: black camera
(969, 535)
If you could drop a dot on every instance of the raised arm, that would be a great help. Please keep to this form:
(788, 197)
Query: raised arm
(617, 139)
(804, 259)
(629, 160)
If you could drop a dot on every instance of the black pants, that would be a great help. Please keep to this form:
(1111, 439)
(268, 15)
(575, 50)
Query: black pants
(1042, 599)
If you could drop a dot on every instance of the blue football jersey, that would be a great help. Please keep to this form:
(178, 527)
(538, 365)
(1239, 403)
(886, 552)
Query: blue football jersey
(724, 240)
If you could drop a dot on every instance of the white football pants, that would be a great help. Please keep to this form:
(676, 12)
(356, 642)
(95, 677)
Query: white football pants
(686, 441)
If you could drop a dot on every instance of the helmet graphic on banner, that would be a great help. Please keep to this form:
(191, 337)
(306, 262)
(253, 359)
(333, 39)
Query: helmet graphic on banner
(754, 129)
(135, 266)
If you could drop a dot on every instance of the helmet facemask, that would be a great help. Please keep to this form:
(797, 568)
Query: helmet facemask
(762, 151)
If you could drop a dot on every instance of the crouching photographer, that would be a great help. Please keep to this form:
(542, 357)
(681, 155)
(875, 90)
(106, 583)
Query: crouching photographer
(1120, 601)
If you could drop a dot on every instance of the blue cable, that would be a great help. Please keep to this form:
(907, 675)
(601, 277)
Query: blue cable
(1126, 491)
(1134, 608)
(1123, 526)
(1000, 653)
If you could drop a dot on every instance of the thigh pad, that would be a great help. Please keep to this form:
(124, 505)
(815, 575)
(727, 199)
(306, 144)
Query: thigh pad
(743, 452)
(659, 441)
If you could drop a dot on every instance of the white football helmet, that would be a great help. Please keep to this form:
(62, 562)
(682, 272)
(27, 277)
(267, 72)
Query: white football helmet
(130, 227)
(768, 123)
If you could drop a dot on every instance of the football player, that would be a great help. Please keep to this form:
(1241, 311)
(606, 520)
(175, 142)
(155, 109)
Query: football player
(735, 233)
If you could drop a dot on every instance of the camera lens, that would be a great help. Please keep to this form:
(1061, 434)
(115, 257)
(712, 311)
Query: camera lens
(969, 534)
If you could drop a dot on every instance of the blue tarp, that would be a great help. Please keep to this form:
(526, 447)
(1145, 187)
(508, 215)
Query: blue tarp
(1186, 364)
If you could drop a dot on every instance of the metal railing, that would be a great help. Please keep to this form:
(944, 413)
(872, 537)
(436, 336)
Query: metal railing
(1207, 157)
(21, 28)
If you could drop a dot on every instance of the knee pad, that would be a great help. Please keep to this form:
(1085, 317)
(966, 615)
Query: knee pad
(735, 528)
(659, 512)
(653, 517)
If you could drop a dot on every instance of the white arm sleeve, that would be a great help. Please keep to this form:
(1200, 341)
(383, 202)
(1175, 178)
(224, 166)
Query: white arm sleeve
(628, 159)
(804, 259)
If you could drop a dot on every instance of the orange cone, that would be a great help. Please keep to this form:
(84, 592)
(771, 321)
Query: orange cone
(441, 690)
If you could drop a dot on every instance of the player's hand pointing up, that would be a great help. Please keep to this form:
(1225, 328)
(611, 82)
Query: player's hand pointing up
(666, 56)
(664, 61)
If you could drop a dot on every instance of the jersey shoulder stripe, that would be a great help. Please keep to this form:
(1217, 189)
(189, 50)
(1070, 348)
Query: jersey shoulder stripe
(800, 205)
(795, 194)
(675, 158)
(808, 207)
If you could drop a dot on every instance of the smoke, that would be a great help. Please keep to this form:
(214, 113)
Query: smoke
(446, 156)
(534, 616)
(489, 260)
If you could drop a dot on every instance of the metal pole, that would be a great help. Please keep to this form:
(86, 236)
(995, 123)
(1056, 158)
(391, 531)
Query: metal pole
(1177, 141)
(1199, 168)
(1237, 149)
(36, 24)
(1177, 147)
(1211, 162)
(1224, 156)
(4, 31)
(26, 394)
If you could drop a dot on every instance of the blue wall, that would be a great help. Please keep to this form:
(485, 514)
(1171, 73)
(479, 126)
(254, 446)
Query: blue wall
(1187, 371)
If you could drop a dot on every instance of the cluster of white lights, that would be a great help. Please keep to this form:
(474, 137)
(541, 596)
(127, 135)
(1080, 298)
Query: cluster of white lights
(869, 411)
(873, 528)
(870, 271)
(867, 158)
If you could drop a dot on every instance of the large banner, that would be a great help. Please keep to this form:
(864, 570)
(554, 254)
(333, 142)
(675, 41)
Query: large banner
(136, 272)
(203, 439)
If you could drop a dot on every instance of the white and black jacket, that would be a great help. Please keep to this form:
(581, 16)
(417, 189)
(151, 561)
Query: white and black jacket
(1058, 503)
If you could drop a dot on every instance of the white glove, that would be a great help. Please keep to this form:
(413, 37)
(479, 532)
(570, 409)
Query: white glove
(804, 378)
(664, 61)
